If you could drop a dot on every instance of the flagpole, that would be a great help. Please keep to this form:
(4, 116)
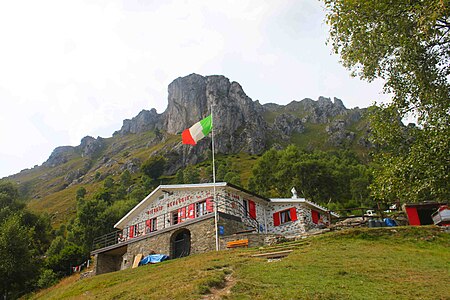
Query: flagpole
(214, 180)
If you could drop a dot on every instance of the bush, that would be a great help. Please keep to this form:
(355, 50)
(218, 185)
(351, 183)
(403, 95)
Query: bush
(47, 278)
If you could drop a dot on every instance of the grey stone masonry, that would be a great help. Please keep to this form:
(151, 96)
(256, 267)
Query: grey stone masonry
(202, 240)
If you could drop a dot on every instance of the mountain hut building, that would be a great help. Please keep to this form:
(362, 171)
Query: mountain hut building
(178, 220)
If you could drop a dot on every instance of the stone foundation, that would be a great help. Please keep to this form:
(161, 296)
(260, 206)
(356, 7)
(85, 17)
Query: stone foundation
(107, 262)
(202, 240)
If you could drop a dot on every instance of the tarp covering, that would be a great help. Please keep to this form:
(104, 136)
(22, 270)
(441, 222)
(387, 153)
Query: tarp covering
(390, 222)
(153, 259)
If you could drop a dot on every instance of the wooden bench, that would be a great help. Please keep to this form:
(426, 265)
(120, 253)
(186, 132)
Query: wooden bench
(238, 243)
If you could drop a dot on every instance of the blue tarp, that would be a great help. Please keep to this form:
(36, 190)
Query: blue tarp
(390, 222)
(153, 259)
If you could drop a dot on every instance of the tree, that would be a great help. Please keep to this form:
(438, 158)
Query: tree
(9, 199)
(24, 237)
(17, 267)
(70, 255)
(407, 44)
(89, 221)
(8, 193)
(262, 180)
(191, 175)
(47, 278)
(319, 176)
(125, 179)
(108, 184)
(179, 177)
(81, 192)
(56, 246)
(154, 167)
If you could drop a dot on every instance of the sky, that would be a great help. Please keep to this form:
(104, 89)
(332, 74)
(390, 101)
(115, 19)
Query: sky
(69, 69)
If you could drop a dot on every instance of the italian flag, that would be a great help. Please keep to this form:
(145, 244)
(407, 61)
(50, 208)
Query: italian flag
(198, 131)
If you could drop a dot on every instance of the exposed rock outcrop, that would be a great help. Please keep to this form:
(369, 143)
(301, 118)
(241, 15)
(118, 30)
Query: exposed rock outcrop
(59, 156)
(144, 121)
(90, 146)
(320, 111)
(288, 124)
(131, 165)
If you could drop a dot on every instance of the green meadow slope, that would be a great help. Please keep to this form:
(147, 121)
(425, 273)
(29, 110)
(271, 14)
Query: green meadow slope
(378, 263)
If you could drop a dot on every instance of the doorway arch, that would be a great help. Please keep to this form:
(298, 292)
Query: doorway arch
(180, 243)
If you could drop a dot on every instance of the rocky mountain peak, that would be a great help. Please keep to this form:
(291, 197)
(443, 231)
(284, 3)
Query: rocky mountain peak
(187, 103)
(237, 123)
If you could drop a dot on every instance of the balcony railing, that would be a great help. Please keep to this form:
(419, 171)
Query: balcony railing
(106, 240)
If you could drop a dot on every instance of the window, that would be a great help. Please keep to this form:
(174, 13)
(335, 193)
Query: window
(245, 205)
(150, 225)
(174, 217)
(249, 208)
(204, 207)
(200, 208)
(285, 216)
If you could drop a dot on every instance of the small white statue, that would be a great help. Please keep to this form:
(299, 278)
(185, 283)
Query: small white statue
(294, 193)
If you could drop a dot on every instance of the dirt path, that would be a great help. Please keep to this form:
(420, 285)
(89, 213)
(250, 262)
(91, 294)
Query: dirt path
(216, 293)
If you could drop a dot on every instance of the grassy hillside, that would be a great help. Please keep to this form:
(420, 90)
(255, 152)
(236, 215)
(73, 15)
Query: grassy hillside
(378, 263)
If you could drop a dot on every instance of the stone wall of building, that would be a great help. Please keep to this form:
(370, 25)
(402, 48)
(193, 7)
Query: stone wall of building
(231, 224)
(105, 263)
(202, 240)
(254, 239)
(302, 224)
(232, 202)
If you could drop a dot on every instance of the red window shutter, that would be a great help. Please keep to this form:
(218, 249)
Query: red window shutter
(183, 213)
(315, 216)
(131, 231)
(293, 211)
(252, 209)
(209, 204)
(191, 209)
(148, 224)
(276, 219)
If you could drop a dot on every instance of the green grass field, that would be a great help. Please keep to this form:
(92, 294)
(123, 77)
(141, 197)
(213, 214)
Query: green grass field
(378, 263)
